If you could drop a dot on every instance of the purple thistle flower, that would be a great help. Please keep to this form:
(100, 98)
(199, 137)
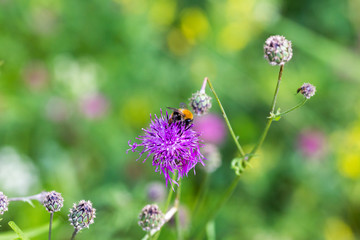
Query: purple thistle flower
(175, 147)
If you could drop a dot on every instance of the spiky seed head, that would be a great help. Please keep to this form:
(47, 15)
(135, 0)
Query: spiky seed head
(307, 90)
(277, 50)
(200, 102)
(53, 201)
(4, 203)
(151, 218)
(82, 215)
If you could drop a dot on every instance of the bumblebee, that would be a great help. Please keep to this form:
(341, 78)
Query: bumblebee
(181, 114)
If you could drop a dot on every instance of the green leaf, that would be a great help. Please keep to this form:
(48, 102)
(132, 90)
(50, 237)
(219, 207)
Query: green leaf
(17, 230)
(30, 233)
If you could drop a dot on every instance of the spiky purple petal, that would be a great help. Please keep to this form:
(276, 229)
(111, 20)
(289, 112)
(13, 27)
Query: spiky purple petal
(174, 147)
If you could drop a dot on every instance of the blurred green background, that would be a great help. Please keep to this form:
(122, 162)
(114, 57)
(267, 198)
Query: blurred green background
(78, 80)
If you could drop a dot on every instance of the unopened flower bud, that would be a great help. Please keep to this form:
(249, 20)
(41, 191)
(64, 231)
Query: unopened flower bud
(277, 50)
(200, 102)
(53, 202)
(151, 218)
(82, 215)
(4, 203)
(307, 90)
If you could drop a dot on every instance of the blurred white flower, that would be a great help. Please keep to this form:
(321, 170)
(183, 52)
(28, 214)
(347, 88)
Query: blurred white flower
(79, 76)
(18, 176)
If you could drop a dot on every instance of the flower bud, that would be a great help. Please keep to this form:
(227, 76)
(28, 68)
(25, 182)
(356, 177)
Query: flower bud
(151, 218)
(277, 50)
(53, 202)
(200, 102)
(307, 90)
(82, 215)
(4, 203)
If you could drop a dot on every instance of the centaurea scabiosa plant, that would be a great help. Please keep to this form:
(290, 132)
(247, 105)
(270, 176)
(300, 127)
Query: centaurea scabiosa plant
(174, 147)
(278, 51)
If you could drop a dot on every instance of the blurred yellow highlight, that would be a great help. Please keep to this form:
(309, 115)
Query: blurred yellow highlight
(234, 36)
(336, 229)
(177, 42)
(194, 24)
(349, 165)
(162, 12)
(349, 153)
(239, 10)
(136, 112)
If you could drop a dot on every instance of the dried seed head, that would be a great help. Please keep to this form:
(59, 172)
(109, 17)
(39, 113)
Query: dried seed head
(4, 203)
(307, 90)
(53, 202)
(200, 102)
(277, 50)
(151, 218)
(82, 215)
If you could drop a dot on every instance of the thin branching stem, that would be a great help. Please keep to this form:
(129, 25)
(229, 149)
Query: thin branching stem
(229, 191)
(74, 234)
(291, 109)
(167, 204)
(177, 204)
(39, 197)
(241, 151)
(50, 224)
(270, 118)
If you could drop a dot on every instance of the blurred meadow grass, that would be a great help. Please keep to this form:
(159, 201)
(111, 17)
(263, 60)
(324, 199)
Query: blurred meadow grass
(78, 79)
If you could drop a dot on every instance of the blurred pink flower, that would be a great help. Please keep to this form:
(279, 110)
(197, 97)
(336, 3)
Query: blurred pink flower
(36, 76)
(94, 106)
(211, 127)
(312, 143)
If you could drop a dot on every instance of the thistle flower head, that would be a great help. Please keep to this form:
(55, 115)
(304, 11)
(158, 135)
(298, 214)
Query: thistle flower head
(53, 202)
(307, 90)
(4, 203)
(277, 50)
(200, 102)
(151, 218)
(174, 147)
(82, 215)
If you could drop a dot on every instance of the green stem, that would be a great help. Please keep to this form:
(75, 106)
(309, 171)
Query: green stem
(177, 203)
(171, 191)
(241, 151)
(229, 191)
(50, 225)
(291, 109)
(270, 119)
(39, 197)
(74, 234)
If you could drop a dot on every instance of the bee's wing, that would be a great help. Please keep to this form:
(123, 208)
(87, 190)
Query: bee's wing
(176, 110)
(183, 105)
